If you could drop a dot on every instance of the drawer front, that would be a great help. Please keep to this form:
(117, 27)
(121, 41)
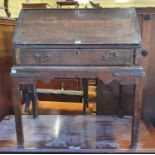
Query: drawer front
(79, 57)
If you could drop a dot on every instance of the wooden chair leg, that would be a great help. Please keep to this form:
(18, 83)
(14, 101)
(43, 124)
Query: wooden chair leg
(138, 93)
(120, 106)
(85, 94)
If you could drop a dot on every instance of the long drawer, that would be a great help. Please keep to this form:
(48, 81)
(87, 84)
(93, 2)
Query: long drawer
(75, 57)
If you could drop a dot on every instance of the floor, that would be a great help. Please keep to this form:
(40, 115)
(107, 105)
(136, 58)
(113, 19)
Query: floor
(74, 133)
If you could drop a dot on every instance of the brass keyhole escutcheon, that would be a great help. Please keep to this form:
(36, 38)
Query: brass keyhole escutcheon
(77, 53)
(42, 58)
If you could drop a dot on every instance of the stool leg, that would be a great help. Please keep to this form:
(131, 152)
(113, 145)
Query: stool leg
(85, 94)
(120, 107)
(138, 92)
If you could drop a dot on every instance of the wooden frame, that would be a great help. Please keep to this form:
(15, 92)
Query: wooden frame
(125, 75)
(109, 29)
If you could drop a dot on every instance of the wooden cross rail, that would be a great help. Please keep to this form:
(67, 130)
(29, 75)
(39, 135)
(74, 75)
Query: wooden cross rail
(60, 92)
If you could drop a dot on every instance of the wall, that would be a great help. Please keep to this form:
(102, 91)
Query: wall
(15, 5)
(6, 32)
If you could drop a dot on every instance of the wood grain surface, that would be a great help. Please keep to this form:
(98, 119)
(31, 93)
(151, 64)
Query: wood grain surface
(77, 26)
(75, 133)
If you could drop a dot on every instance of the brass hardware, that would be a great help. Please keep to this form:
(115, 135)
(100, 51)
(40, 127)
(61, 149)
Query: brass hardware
(41, 58)
(110, 54)
(114, 53)
(105, 55)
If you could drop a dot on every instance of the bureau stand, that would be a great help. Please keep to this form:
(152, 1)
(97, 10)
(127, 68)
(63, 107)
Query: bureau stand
(100, 44)
(125, 75)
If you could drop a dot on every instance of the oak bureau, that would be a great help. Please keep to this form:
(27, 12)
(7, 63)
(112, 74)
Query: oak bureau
(77, 43)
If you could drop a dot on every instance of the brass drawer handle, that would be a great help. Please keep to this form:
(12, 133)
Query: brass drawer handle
(110, 54)
(105, 55)
(41, 58)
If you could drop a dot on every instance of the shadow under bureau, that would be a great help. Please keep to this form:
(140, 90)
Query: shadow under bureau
(77, 43)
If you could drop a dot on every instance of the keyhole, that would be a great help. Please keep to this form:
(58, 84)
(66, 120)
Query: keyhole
(77, 53)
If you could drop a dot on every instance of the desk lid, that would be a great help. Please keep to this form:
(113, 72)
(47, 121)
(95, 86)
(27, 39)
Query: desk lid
(77, 27)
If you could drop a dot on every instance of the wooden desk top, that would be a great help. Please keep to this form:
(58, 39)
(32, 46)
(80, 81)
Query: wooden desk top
(77, 26)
